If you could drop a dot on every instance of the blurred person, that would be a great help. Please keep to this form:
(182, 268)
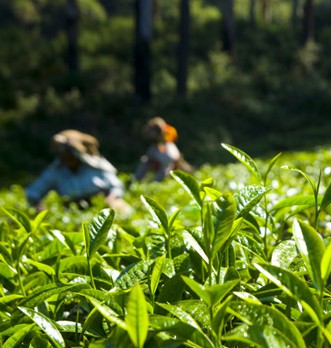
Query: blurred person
(78, 172)
(162, 155)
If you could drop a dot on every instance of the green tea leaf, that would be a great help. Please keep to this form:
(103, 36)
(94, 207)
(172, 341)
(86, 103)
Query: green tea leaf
(97, 230)
(137, 317)
(262, 317)
(20, 218)
(41, 267)
(46, 324)
(326, 263)
(158, 213)
(191, 241)
(43, 293)
(308, 201)
(311, 248)
(326, 198)
(214, 294)
(291, 285)
(245, 159)
(133, 274)
(270, 166)
(108, 313)
(156, 274)
(225, 214)
(189, 183)
(181, 332)
(247, 199)
(20, 332)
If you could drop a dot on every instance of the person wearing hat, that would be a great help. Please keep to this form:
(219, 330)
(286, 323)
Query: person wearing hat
(163, 155)
(78, 171)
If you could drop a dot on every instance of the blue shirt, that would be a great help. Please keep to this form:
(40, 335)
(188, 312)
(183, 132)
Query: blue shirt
(83, 183)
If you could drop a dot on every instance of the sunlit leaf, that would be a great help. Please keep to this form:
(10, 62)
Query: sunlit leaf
(291, 285)
(46, 324)
(156, 274)
(97, 230)
(262, 316)
(225, 214)
(158, 213)
(311, 248)
(326, 263)
(133, 274)
(245, 159)
(212, 295)
(136, 318)
(189, 183)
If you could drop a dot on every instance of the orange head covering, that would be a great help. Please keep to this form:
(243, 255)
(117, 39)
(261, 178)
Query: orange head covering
(157, 130)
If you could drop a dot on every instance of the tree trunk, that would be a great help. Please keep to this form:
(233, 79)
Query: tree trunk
(183, 48)
(228, 27)
(265, 10)
(295, 10)
(308, 22)
(252, 5)
(144, 10)
(72, 19)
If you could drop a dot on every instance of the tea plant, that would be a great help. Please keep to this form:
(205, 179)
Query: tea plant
(195, 264)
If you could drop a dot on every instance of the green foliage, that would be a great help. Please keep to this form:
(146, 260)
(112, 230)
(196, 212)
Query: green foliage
(200, 262)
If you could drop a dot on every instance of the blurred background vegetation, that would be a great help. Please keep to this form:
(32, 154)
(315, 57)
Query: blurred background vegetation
(252, 73)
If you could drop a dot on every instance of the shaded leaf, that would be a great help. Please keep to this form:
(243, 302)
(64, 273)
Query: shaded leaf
(20, 218)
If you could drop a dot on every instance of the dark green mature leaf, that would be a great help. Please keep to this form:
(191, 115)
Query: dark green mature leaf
(19, 332)
(47, 325)
(20, 218)
(261, 317)
(245, 159)
(158, 213)
(47, 291)
(311, 248)
(225, 214)
(291, 285)
(97, 229)
(214, 294)
(189, 183)
(133, 274)
(136, 318)
(5, 255)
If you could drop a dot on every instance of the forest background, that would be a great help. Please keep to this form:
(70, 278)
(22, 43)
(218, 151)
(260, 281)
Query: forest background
(252, 73)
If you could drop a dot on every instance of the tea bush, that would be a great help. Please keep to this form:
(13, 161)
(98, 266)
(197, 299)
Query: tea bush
(232, 256)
